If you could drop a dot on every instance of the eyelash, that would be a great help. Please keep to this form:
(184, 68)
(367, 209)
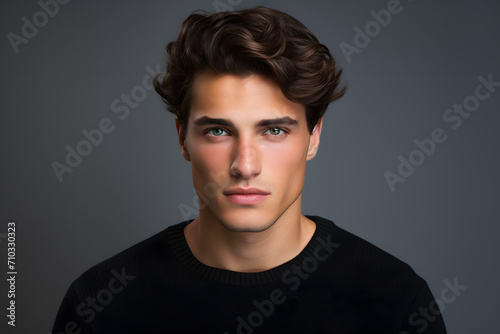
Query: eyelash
(208, 131)
(283, 131)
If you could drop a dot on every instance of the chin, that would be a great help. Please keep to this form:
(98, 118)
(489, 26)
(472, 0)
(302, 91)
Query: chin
(239, 221)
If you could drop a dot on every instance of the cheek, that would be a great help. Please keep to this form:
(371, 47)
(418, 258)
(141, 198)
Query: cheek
(287, 163)
(208, 161)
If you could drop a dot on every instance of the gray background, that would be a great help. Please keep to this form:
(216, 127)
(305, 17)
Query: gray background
(443, 220)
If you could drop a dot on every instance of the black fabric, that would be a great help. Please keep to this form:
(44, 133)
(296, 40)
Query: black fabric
(338, 284)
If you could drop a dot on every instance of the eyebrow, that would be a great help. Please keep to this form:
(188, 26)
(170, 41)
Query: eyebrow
(205, 120)
(277, 121)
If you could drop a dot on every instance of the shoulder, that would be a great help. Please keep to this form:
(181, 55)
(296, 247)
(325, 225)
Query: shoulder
(142, 257)
(363, 262)
(116, 281)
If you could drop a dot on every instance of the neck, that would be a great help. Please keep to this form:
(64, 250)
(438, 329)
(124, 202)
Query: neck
(216, 246)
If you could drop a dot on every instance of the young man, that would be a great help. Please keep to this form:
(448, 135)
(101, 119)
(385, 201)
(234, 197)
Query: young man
(249, 90)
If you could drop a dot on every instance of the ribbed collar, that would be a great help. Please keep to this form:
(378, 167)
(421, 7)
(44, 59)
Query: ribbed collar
(184, 255)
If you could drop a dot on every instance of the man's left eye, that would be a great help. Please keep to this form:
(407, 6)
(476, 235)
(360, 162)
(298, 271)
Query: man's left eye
(275, 131)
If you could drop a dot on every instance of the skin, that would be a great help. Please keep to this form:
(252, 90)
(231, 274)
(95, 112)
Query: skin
(245, 153)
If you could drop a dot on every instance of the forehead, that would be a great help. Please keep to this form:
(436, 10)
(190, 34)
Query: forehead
(241, 98)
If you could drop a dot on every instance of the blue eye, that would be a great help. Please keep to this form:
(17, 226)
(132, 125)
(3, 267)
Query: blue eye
(217, 132)
(275, 131)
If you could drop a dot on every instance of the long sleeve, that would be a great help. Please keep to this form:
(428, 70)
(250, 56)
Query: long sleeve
(424, 316)
(68, 320)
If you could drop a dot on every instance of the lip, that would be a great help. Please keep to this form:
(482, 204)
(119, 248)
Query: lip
(246, 196)
(245, 191)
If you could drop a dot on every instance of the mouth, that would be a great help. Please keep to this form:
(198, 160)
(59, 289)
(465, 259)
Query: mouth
(246, 196)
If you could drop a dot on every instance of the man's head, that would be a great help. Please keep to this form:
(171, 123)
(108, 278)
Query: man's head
(249, 90)
(259, 41)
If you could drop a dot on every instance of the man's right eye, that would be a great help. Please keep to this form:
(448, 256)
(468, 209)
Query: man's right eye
(217, 132)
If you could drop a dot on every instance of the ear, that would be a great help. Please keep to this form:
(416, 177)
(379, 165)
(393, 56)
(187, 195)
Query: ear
(182, 140)
(314, 140)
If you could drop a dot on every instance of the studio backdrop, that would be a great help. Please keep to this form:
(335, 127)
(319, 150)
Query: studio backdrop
(408, 160)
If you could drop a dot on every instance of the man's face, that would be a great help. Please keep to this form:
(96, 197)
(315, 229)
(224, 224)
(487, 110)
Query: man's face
(248, 146)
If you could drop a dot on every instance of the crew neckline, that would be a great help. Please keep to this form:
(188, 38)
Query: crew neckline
(180, 247)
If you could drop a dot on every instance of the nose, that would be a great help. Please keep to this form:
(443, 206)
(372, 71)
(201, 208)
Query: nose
(246, 159)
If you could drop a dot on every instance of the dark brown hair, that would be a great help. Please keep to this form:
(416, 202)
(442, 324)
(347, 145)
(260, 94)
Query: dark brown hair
(259, 41)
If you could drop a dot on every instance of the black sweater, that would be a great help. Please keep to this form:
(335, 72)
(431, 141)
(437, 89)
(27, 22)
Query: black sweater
(338, 284)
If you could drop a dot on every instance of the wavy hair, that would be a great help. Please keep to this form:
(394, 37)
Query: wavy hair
(259, 40)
